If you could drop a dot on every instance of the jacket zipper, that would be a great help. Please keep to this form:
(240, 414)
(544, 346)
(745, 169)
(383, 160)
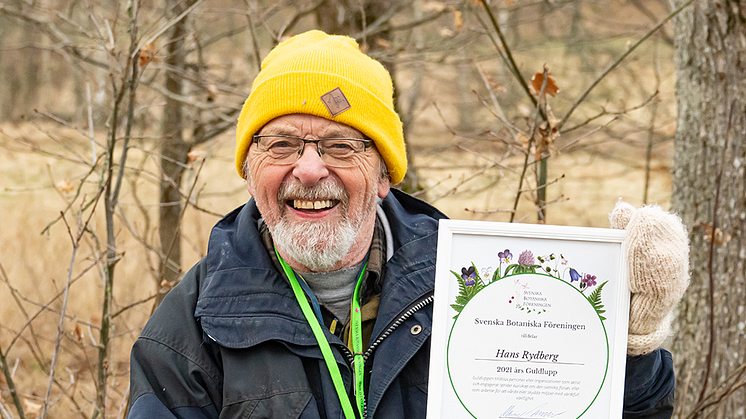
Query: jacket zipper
(395, 324)
(407, 314)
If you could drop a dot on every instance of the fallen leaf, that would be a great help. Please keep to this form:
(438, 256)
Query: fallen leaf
(433, 6)
(147, 54)
(65, 186)
(195, 155)
(538, 79)
(458, 20)
(78, 333)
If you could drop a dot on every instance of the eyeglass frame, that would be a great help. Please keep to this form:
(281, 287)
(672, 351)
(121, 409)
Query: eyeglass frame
(367, 142)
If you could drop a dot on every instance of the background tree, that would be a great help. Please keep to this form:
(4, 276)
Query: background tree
(174, 148)
(709, 190)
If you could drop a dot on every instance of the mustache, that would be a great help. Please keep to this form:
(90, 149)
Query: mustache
(324, 190)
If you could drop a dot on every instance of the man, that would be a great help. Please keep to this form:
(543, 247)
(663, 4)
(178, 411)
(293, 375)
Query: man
(262, 326)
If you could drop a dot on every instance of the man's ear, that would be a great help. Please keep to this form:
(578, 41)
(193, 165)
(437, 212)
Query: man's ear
(384, 185)
(249, 188)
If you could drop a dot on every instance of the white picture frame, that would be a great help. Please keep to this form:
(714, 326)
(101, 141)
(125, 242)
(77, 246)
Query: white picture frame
(528, 336)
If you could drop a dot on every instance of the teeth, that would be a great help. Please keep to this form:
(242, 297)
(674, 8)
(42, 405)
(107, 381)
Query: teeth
(298, 204)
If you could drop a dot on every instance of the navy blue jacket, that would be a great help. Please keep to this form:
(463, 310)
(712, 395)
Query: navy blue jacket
(231, 342)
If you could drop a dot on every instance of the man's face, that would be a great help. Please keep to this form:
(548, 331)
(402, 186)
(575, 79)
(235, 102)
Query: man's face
(318, 215)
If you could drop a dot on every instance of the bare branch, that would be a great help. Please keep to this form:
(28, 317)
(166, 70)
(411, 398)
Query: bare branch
(61, 325)
(619, 60)
(507, 56)
(531, 140)
(297, 17)
(166, 26)
(57, 36)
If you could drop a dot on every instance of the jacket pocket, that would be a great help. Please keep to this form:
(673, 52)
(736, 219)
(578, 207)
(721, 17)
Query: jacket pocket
(299, 405)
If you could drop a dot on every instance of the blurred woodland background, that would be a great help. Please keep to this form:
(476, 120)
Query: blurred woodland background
(116, 155)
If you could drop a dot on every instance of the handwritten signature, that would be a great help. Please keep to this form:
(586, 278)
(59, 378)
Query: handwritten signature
(537, 412)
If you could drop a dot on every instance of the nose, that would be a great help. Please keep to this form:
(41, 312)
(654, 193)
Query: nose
(309, 169)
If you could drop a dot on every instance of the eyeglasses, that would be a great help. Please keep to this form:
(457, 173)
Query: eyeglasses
(287, 149)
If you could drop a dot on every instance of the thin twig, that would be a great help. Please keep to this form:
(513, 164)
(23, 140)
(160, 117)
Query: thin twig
(57, 36)
(498, 112)
(164, 28)
(534, 128)
(735, 381)
(61, 325)
(129, 306)
(4, 412)
(297, 17)
(43, 307)
(11, 384)
(508, 57)
(254, 42)
(94, 159)
(133, 82)
(17, 298)
(651, 128)
(619, 60)
(604, 112)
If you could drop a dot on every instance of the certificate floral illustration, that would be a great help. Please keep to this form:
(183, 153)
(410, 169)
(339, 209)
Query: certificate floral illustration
(529, 322)
(470, 281)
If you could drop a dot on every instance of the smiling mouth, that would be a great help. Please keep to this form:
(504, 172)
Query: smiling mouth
(312, 206)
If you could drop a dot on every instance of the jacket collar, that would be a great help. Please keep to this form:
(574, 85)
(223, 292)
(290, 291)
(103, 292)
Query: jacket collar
(241, 288)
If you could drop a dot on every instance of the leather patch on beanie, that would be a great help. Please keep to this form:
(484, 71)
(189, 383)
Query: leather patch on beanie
(335, 102)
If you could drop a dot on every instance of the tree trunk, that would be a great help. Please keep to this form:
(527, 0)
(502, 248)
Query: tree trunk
(174, 153)
(708, 178)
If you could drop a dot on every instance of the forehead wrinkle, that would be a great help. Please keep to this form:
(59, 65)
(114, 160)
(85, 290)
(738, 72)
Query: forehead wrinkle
(302, 125)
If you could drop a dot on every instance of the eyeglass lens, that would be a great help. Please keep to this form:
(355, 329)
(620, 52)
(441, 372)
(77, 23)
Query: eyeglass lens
(336, 152)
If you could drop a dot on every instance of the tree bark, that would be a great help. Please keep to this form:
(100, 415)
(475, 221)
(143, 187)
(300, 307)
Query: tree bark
(708, 178)
(174, 153)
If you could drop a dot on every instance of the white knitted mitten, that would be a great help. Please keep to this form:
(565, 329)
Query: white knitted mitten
(658, 258)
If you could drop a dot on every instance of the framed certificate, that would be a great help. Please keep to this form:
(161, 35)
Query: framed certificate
(530, 321)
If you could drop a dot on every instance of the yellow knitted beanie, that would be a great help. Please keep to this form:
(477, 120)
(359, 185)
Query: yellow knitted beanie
(326, 76)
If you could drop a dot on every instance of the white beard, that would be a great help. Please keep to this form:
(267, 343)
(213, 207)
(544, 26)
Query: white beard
(317, 244)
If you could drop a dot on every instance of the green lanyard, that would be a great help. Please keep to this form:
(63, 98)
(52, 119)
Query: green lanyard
(357, 342)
